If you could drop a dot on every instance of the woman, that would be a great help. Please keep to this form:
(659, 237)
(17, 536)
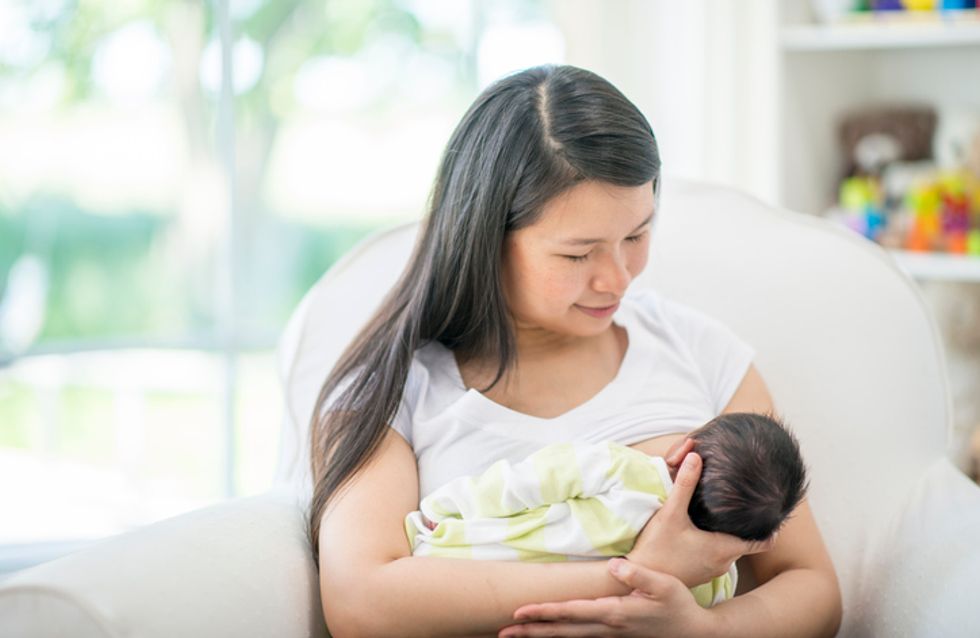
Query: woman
(510, 327)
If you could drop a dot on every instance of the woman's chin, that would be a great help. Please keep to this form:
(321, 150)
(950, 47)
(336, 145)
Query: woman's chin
(575, 323)
(585, 326)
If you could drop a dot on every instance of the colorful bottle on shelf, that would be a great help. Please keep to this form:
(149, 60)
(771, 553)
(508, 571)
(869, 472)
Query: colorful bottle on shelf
(919, 5)
(944, 212)
(918, 239)
(956, 243)
(973, 242)
(924, 204)
(862, 198)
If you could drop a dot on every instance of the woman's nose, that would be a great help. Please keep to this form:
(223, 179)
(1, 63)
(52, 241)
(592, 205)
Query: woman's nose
(612, 276)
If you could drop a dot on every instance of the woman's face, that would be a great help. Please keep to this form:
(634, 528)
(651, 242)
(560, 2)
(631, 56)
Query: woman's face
(566, 273)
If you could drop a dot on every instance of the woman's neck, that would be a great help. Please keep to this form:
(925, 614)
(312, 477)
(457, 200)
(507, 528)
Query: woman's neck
(534, 343)
(536, 347)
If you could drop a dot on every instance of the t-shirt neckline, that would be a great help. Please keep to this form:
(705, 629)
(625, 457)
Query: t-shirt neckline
(474, 403)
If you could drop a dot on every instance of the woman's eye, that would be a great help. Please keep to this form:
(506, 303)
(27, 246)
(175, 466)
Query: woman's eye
(632, 238)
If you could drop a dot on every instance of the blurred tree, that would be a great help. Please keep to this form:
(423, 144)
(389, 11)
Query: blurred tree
(287, 34)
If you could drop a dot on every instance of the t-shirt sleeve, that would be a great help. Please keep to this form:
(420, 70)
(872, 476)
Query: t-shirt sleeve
(722, 357)
(401, 422)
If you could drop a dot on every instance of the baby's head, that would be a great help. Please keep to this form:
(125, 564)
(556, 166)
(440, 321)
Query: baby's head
(753, 475)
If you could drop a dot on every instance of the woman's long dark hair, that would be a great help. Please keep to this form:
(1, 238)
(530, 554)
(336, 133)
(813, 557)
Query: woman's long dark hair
(527, 138)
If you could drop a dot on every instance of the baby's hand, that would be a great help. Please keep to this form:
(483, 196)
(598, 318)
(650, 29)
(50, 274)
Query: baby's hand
(428, 523)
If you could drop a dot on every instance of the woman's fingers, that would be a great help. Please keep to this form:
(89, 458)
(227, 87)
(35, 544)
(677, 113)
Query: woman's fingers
(568, 611)
(758, 547)
(556, 629)
(732, 547)
(687, 479)
(570, 618)
(653, 584)
(657, 602)
(678, 451)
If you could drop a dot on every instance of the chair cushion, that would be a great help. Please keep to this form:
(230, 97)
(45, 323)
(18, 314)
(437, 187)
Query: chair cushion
(241, 568)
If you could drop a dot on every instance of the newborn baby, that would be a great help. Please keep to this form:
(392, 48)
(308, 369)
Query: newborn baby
(575, 501)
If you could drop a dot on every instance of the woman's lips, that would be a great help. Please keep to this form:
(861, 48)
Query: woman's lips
(598, 312)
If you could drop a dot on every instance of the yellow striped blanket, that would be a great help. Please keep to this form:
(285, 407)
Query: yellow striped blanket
(568, 501)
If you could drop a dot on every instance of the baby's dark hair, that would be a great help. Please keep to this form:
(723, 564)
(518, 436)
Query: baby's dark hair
(753, 475)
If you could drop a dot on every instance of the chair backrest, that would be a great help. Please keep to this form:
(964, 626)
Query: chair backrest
(844, 341)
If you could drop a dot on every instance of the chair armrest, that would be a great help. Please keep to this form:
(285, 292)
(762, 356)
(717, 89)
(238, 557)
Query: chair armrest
(240, 568)
(919, 579)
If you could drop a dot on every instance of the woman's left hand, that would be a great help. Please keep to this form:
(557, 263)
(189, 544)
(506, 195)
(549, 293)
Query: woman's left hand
(660, 605)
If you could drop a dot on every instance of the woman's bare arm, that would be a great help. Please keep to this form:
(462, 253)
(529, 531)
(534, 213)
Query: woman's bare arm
(799, 594)
(372, 586)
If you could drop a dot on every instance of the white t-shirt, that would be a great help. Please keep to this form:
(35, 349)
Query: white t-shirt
(680, 370)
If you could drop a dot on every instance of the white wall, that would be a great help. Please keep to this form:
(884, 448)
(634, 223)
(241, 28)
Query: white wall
(702, 71)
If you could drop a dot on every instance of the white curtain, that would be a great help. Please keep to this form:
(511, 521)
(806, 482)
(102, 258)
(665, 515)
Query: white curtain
(704, 72)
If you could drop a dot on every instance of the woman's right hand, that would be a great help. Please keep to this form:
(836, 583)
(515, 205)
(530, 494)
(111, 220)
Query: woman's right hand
(671, 543)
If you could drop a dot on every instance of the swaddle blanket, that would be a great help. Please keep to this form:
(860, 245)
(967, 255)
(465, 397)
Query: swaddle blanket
(567, 501)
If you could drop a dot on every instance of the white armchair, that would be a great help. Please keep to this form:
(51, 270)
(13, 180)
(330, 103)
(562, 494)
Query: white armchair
(847, 347)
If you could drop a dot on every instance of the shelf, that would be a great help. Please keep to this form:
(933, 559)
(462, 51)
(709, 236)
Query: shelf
(938, 266)
(877, 33)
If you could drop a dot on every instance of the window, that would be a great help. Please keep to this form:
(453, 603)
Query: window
(176, 176)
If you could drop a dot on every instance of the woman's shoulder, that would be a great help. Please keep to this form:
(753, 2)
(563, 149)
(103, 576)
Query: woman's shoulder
(679, 322)
(433, 377)
(654, 307)
(427, 366)
(714, 349)
(433, 363)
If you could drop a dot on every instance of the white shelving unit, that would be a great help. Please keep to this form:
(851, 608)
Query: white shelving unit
(938, 266)
(951, 29)
(826, 70)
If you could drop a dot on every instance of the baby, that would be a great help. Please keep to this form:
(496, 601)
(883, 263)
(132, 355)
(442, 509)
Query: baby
(585, 501)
